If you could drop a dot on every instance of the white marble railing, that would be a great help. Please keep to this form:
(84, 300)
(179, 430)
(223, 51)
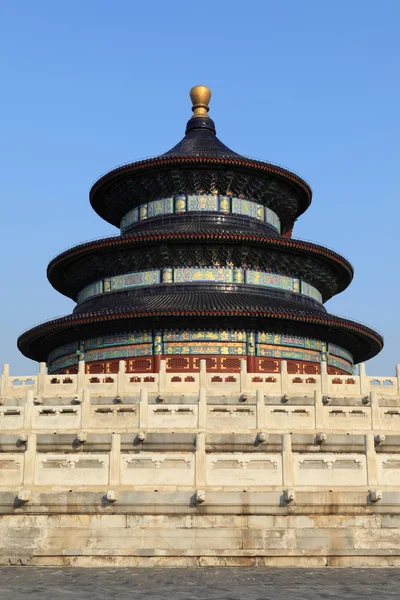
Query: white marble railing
(202, 413)
(186, 383)
(283, 465)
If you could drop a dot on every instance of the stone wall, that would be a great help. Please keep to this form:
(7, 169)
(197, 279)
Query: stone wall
(82, 529)
(216, 470)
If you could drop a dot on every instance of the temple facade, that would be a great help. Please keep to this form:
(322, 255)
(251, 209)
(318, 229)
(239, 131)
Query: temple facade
(205, 266)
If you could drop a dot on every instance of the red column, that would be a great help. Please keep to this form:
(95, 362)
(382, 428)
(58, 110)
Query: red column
(251, 364)
(156, 363)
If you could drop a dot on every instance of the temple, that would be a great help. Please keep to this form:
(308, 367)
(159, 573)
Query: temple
(205, 266)
(199, 406)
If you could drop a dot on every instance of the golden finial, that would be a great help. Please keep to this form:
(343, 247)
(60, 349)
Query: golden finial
(200, 96)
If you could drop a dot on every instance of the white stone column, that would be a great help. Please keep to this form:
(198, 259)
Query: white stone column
(4, 380)
(287, 461)
(200, 458)
(372, 463)
(81, 378)
(243, 376)
(30, 460)
(376, 422)
(261, 412)
(121, 381)
(42, 378)
(115, 459)
(162, 377)
(203, 373)
(398, 379)
(284, 378)
(364, 386)
(202, 408)
(319, 411)
(28, 412)
(143, 409)
(86, 409)
(324, 378)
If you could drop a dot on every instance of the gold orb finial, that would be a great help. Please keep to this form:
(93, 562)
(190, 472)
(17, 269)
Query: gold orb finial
(200, 96)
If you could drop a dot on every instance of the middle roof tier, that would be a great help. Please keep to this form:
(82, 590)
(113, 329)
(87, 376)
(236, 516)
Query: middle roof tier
(85, 264)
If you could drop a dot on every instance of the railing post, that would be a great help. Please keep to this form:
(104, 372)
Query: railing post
(200, 458)
(121, 381)
(287, 460)
(371, 459)
(202, 408)
(284, 378)
(28, 413)
(5, 380)
(364, 387)
(261, 413)
(86, 409)
(30, 460)
(162, 377)
(203, 373)
(81, 377)
(319, 411)
(42, 378)
(115, 459)
(376, 423)
(324, 378)
(143, 408)
(243, 376)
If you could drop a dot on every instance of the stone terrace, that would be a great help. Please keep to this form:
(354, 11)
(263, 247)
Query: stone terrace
(214, 469)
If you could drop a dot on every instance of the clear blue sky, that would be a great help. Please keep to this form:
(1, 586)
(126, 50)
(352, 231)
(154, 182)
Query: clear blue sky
(308, 84)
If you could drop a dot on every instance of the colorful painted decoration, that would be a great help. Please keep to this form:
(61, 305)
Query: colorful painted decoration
(183, 203)
(198, 275)
(338, 351)
(200, 342)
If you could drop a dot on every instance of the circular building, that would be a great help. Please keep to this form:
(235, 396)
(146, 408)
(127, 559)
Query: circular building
(205, 267)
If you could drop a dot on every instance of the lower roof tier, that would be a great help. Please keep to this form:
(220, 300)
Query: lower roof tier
(162, 312)
(83, 265)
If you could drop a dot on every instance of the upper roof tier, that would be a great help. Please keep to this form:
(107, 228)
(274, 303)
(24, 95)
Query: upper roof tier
(200, 164)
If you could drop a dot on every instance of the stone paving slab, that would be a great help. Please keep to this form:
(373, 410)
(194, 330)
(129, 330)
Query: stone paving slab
(36, 583)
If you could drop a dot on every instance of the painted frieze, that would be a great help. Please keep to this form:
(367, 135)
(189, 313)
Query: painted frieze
(232, 348)
(131, 280)
(90, 290)
(71, 348)
(160, 207)
(121, 339)
(197, 203)
(62, 363)
(287, 353)
(311, 291)
(269, 280)
(194, 274)
(183, 203)
(119, 352)
(288, 340)
(227, 275)
(207, 335)
(339, 363)
(340, 352)
(200, 342)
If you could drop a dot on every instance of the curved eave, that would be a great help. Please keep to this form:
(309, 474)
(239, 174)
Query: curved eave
(31, 342)
(107, 212)
(59, 263)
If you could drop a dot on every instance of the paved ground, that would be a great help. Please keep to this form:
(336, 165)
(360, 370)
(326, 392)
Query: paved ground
(35, 583)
